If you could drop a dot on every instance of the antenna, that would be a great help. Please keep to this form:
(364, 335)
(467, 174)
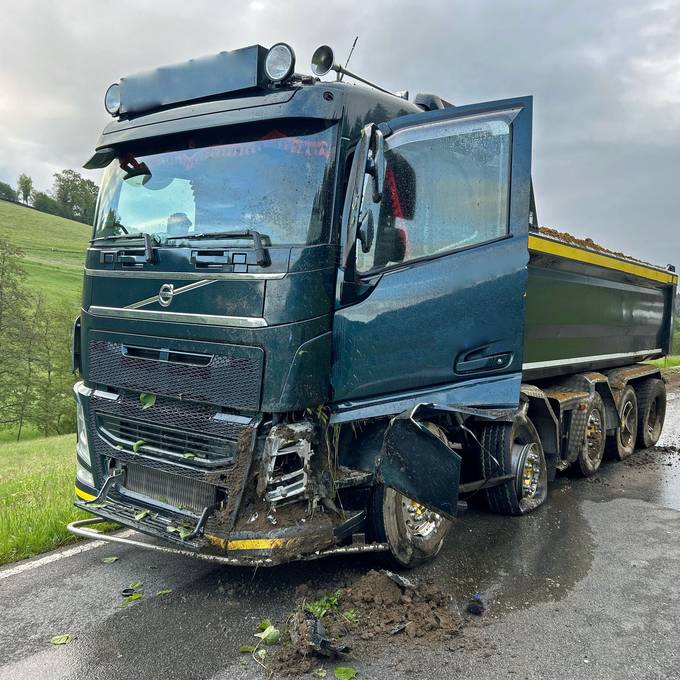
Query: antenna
(351, 52)
(323, 61)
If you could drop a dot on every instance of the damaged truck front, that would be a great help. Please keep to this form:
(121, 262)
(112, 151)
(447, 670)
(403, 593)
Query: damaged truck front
(303, 319)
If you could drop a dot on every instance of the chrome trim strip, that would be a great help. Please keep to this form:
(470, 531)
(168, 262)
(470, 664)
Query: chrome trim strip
(175, 292)
(80, 388)
(185, 276)
(178, 317)
(585, 360)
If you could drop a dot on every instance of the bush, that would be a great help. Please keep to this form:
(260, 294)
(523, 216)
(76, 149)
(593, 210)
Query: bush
(7, 192)
(46, 204)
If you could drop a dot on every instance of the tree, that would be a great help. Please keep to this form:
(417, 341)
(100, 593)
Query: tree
(76, 195)
(7, 192)
(51, 407)
(14, 305)
(25, 187)
(46, 204)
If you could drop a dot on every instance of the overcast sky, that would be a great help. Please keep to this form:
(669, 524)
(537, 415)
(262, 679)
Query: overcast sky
(605, 76)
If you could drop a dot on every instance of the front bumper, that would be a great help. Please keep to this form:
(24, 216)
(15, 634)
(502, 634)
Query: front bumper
(248, 552)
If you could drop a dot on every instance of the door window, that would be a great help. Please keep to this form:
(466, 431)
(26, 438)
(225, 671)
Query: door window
(446, 188)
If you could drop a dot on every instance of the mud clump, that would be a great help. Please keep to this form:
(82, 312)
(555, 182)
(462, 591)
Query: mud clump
(377, 605)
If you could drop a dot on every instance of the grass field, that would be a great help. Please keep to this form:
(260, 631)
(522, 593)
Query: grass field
(36, 496)
(54, 249)
(666, 362)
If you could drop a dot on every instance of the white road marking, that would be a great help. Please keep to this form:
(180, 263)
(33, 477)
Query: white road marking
(55, 557)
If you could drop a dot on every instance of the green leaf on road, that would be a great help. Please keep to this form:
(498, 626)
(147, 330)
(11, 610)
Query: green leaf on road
(136, 446)
(319, 672)
(270, 635)
(165, 591)
(141, 515)
(344, 672)
(109, 560)
(136, 585)
(264, 624)
(130, 599)
(188, 455)
(147, 400)
(246, 649)
(261, 653)
(61, 639)
(184, 532)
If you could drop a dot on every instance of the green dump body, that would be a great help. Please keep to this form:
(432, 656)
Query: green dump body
(588, 309)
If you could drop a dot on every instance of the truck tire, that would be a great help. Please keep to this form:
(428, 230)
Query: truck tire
(621, 444)
(651, 398)
(413, 533)
(591, 452)
(514, 449)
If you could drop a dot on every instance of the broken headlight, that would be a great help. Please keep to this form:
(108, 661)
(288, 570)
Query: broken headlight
(286, 466)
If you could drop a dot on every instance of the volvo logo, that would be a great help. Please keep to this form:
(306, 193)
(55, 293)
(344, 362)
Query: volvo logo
(165, 294)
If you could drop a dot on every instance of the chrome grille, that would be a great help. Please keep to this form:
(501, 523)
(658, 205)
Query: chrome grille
(159, 439)
(183, 493)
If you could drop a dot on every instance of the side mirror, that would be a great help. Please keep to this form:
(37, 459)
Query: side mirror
(366, 232)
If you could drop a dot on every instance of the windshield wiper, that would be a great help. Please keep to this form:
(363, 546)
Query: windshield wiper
(149, 240)
(260, 251)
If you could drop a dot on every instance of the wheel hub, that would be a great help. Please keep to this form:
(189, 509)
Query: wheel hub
(418, 519)
(594, 435)
(529, 469)
(628, 424)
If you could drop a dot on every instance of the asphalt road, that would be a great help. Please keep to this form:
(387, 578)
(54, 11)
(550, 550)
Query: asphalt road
(586, 587)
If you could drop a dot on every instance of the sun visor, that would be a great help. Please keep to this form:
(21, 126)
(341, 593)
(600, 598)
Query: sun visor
(210, 76)
(101, 158)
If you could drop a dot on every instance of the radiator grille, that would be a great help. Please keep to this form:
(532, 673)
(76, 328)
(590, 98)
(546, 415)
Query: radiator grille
(125, 432)
(183, 493)
(232, 380)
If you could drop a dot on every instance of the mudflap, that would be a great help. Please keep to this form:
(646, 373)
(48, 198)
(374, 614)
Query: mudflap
(416, 463)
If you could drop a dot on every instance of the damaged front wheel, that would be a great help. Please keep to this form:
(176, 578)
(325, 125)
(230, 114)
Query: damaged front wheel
(413, 533)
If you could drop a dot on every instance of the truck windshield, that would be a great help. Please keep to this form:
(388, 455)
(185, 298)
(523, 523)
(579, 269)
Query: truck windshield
(275, 180)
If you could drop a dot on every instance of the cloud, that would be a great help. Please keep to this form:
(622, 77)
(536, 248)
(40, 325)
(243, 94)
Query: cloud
(605, 77)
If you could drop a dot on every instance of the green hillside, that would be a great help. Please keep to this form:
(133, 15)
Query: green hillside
(54, 249)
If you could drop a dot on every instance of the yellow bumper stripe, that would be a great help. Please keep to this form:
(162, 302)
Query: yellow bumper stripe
(550, 247)
(255, 543)
(84, 495)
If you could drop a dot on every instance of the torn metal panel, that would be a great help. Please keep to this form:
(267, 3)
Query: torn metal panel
(418, 464)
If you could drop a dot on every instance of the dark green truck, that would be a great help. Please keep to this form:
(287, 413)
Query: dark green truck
(319, 319)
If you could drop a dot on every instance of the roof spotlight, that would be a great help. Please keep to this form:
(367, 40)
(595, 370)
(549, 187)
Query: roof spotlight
(112, 99)
(280, 62)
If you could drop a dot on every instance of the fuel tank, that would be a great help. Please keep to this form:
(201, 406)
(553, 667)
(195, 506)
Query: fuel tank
(211, 325)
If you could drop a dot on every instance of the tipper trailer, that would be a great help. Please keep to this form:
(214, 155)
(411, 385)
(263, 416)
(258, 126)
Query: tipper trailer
(319, 318)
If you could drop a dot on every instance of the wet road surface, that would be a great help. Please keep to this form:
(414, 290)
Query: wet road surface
(586, 587)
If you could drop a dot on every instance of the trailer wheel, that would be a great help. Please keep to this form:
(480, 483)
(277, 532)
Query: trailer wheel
(622, 443)
(413, 533)
(514, 449)
(651, 396)
(592, 450)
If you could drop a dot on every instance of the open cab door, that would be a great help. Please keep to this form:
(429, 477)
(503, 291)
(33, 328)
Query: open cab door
(430, 301)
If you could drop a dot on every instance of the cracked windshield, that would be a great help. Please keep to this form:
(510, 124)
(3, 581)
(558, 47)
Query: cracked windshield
(277, 182)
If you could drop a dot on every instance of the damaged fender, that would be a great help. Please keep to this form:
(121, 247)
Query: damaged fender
(417, 463)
